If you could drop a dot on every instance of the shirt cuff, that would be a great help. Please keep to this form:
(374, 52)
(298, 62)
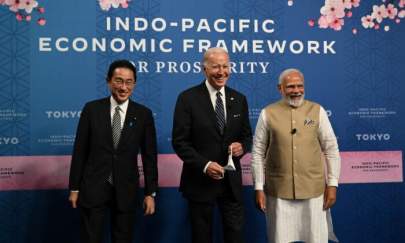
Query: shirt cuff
(206, 166)
(333, 182)
(259, 186)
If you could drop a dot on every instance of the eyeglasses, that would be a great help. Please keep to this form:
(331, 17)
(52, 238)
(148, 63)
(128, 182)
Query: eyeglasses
(120, 82)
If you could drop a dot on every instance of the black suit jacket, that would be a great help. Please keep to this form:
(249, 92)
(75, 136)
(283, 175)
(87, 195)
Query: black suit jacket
(197, 140)
(94, 156)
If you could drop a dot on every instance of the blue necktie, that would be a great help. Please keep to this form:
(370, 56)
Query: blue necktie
(220, 112)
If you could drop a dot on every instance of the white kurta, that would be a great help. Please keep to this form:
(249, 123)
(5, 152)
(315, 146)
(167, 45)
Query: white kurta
(297, 220)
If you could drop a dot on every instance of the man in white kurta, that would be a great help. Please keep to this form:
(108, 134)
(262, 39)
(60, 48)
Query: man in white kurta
(292, 137)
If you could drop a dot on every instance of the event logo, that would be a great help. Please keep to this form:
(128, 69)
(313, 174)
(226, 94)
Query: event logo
(373, 137)
(9, 172)
(12, 115)
(58, 140)
(9, 141)
(63, 114)
(372, 112)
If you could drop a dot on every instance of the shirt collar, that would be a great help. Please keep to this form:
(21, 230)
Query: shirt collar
(214, 91)
(123, 106)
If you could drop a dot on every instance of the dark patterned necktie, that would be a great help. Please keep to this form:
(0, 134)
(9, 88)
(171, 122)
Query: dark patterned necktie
(116, 134)
(220, 112)
(116, 126)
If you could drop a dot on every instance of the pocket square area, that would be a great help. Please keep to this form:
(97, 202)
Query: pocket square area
(236, 115)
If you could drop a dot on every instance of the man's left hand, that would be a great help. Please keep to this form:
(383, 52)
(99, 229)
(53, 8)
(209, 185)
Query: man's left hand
(149, 205)
(329, 197)
(237, 149)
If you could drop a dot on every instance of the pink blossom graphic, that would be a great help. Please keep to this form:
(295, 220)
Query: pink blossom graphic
(13, 4)
(351, 3)
(41, 21)
(391, 11)
(355, 3)
(347, 4)
(19, 17)
(107, 4)
(337, 24)
(323, 22)
(23, 9)
(379, 13)
(28, 5)
(367, 21)
(334, 13)
(333, 9)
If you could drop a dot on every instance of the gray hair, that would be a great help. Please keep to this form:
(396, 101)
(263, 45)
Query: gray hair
(211, 51)
(284, 74)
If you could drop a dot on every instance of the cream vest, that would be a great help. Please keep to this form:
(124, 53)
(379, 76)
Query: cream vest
(294, 168)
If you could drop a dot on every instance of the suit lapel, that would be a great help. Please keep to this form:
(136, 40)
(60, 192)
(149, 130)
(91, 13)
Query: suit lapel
(105, 120)
(208, 107)
(229, 102)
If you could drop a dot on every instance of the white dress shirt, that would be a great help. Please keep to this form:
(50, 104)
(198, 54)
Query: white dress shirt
(213, 95)
(123, 109)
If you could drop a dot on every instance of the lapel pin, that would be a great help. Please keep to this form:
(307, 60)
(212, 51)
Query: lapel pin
(131, 123)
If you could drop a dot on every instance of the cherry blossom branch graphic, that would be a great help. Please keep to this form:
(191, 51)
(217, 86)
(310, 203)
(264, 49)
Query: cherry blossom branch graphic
(23, 9)
(334, 12)
(107, 4)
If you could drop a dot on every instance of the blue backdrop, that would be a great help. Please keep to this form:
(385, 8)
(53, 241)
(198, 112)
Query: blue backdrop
(48, 72)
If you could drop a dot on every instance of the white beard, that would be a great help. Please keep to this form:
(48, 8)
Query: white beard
(294, 102)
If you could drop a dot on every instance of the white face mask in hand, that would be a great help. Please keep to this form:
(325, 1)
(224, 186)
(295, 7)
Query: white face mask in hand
(230, 166)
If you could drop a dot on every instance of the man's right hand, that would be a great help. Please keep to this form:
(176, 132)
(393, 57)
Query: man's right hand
(215, 171)
(260, 200)
(73, 196)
